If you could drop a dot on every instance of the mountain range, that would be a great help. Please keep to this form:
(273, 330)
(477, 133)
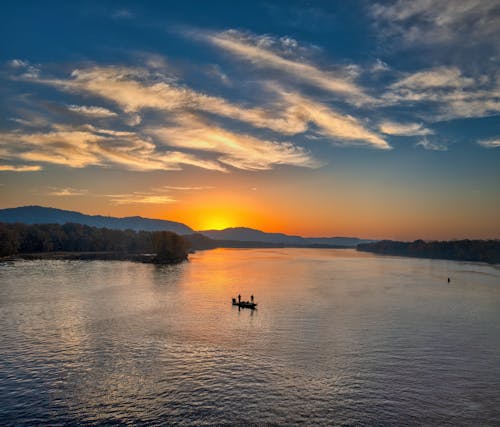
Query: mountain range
(44, 215)
(230, 237)
(252, 235)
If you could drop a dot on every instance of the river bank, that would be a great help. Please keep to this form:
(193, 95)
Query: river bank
(92, 256)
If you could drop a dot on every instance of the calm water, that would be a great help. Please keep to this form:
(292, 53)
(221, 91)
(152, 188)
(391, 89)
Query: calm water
(339, 338)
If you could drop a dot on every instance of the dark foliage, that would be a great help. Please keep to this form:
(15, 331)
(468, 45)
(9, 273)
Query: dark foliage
(463, 250)
(23, 238)
(169, 246)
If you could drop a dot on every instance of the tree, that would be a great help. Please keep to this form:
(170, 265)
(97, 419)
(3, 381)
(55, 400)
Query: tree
(169, 247)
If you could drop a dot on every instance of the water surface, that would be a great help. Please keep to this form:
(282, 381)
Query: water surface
(339, 337)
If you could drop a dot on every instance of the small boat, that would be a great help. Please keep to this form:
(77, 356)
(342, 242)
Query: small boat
(245, 304)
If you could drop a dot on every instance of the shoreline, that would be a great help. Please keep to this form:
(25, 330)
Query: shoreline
(91, 256)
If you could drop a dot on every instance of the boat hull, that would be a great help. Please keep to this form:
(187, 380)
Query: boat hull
(246, 304)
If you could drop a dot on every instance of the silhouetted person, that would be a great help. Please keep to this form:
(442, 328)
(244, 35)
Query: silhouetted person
(448, 280)
(251, 298)
(239, 298)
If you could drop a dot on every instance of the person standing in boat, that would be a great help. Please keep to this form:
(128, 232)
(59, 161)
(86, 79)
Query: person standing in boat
(239, 298)
(251, 298)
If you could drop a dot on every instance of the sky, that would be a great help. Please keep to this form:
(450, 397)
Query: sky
(318, 118)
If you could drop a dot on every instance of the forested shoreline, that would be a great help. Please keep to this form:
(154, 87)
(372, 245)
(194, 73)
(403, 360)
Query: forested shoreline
(459, 250)
(104, 243)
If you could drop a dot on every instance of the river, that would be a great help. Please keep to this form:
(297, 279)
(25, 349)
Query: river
(339, 337)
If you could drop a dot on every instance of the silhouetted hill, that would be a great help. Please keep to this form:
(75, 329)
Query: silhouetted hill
(243, 234)
(45, 215)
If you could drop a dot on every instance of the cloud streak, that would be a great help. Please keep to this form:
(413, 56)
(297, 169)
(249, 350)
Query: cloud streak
(438, 22)
(439, 77)
(67, 191)
(450, 94)
(404, 129)
(238, 150)
(490, 143)
(255, 51)
(290, 114)
(88, 146)
(92, 111)
(20, 168)
(140, 198)
(427, 144)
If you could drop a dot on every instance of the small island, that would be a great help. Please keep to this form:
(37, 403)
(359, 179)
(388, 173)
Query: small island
(72, 241)
(458, 250)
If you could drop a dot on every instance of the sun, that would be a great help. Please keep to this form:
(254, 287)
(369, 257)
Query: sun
(216, 223)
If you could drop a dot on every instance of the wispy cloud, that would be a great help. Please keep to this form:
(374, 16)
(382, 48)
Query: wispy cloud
(291, 114)
(238, 150)
(451, 94)
(155, 196)
(92, 111)
(490, 143)
(88, 146)
(216, 71)
(343, 129)
(404, 129)
(27, 69)
(136, 89)
(122, 14)
(188, 188)
(427, 144)
(256, 49)
(380, 66)
(20, 168)
(439, 77)
(438, 22)
(140, 198)
(66, 191)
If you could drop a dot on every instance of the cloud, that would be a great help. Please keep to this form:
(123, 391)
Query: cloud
(140, 198)
(20, 168)
(437, 22)
(29, 71)
(439, 77)
(192, 188)
(18, 63)
(490, 143)
(404, 129)
(345, 129)
(132, 90)
(155, 196)
(258, 51)
(431, 145)
(216, 72)
(238, 150)
(66, 191)
(448, 93)
(122, 14)
(92, 111)
(136, 89)
(87, 146)
(380, 66)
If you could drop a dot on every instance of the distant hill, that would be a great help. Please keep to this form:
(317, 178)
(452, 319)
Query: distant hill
(44, 215)
(230, 237)
(243, 234)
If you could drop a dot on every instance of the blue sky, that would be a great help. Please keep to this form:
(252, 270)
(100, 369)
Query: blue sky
(379, 118)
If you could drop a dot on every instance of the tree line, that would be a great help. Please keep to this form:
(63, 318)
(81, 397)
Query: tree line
(21, 238)
(462, 250)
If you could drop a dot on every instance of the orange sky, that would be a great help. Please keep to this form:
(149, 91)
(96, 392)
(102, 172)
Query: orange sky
(308, 203)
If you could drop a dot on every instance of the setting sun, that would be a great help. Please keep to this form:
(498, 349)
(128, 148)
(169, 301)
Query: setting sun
(216, 223)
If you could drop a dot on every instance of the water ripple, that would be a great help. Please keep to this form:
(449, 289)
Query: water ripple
(338, 338)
